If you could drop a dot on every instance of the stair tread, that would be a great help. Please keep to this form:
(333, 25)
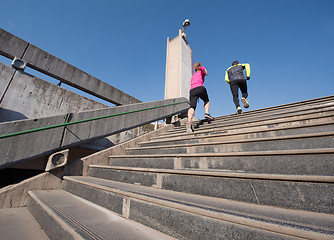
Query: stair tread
(306, 105)
(228, 210)
(78, 212)
(233, 127)
(233, 133)
(240, 120)
(300, 136)
(18, 223)
(247, 122)
(226, 173)
(246, 153)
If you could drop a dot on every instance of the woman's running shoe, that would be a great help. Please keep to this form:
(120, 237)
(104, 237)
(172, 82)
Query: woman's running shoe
(208, 116)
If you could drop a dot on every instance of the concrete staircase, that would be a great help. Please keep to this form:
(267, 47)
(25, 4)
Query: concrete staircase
(265, 174)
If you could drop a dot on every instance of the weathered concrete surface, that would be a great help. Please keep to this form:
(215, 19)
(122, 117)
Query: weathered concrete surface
(16, 195)
(18, 223)
(48, 208)
(314, 195)
(36, 144)
(31, 97)
(81, 166)
(178, 68)
(121, 123)
(304, 162)
(188, 216)
(6, 74)
(12, 46)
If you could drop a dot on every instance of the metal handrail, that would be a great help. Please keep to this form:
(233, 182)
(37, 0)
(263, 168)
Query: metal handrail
(81, 121)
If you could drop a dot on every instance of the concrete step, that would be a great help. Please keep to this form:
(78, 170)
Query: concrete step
(304, 161)
(18, 223)
(250, 122)
(292, 142)
(188, 216)
(273, 111)
(309, 119)
(235, 129)
(300, 192)
(296, 105)
(243, 134)
(66, 216)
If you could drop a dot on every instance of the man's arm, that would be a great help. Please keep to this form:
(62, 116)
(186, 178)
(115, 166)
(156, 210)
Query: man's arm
(247, 68)
(226, 78)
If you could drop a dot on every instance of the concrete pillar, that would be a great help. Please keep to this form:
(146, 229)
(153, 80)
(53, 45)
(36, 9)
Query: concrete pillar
(178, 68)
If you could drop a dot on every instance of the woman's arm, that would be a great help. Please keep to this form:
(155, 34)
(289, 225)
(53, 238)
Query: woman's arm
(204, 71)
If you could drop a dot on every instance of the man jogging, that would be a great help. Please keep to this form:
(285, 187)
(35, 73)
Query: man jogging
(235, 77)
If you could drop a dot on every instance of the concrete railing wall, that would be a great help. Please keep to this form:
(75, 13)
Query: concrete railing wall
(14, 149)
(23, 96)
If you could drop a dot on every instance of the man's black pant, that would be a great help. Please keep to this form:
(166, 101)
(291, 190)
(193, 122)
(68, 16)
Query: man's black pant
(235, 85)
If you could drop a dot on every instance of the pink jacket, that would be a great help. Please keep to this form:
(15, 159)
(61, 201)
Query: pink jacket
(197, 79)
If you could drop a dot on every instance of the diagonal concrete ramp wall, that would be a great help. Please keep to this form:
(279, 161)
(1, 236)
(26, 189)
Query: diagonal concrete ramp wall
(16, 148)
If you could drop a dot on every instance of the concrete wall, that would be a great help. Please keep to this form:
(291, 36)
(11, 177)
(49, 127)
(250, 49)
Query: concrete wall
(27, 146)
(23, 96)
(178, 68)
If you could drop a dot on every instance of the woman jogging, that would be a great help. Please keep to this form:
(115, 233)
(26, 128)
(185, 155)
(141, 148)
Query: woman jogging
(197, 90)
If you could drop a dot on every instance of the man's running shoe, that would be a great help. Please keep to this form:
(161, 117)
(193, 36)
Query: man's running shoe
(244, 101)
(208, 117)
(189, 127)
(239, 110)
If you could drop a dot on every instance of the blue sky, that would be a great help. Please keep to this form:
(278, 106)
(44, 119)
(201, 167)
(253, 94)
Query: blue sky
(289, 44)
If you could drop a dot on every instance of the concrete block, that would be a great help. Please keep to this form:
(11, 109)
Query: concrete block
(56, 160)
(19, 64)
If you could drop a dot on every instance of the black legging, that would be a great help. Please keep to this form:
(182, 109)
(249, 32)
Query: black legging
(235, 85)
(195, 93)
